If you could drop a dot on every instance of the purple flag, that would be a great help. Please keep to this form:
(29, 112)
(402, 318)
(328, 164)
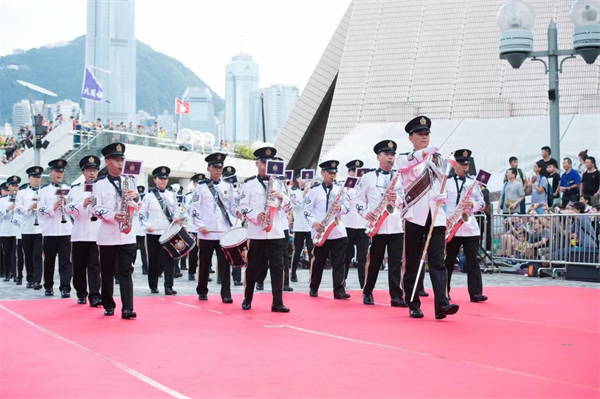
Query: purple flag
(91, 87)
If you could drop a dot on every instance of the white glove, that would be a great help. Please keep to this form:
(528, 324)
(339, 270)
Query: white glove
(430, 150)
(441, 198)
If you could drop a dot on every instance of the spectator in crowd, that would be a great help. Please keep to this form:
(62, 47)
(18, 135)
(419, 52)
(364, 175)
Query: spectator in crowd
(512, 194)
(582, 157)
(58, 121)
(546, 156)
(162, 133)
(538, 238)
(514, 163)
(99, 124)
(585, 200)
(590, 181)
(569, 183)
(50, 126)
(10, 149)
(539, 187)
(554, 179)
(515, 235)
(130, 128)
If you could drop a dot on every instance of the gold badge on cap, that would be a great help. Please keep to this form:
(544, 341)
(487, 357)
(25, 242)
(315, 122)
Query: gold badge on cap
(423, 121)
(357, 163)
(15, 178)
(229, 168)
(37, 170)
(268, 151)
(91, 159)
(59, 163)
(390, 144)
(163, 170)
(466, 154)
(119, 148)
(333, 164)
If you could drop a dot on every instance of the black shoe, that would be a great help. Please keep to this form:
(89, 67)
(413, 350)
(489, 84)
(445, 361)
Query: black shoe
(288, 288)
(342, 295)
(209, 279)
(154, 291)
(177, 275)
(227, 300)
(399, 303)
(478, 298)
(280, 309)
(94, 303)
(191, 277)
(313, 293)
(109, 312)
(81, 301)
(128, 314)
(19, 281)
(446, 311)
(49, 292)
(246, 304)
(183, 267)
(203, 297)
(416, 314)
(294, 278)
(237, 283)
(116, 282)
(37, 286)
(7, 277)
(145, 272)
(218, 280)
(368, 299)
(422, 293)
(260, 287)
(170, 291)
(449, 298)
(211, 271)
(29, 285)
(65, 294)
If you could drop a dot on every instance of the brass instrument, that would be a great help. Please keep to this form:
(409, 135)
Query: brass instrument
(63, 216)
(329, 221)
(35, 213)
(384, 208)
(461, 215)
(271, 206)
(127, 207)
(89, 188)
(12, 198)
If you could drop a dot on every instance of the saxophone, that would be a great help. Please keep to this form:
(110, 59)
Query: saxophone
(383, 210)
(329, 221)
(271, 206)
(461, 215)
(126, 208)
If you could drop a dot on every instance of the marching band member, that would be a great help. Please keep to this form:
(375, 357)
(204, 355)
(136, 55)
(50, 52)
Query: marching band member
(112, 193)
(3, 271)
(140, 235)
(84, 235)
(213, 208)
(193, 254)
(317, 204)
(9, 228)
(158, 211)
(422, 186)
(300, 227)
(228, 172)
(56, 230)
(253, 204)
(355, 229)
(31, 231)
(468, 234)
(374, 194)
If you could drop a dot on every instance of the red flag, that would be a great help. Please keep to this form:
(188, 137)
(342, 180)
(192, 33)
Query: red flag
(181, 107)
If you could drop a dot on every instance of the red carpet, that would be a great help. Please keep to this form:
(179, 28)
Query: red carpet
(525, 342)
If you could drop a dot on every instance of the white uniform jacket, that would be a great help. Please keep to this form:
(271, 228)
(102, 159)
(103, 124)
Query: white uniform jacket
(353, 220)
(252, 202)
(25, 198)
(453, 186)
(83, 228)
(152, 215)
(9, 220)
(411, 165)
(49, 218)
(297, 202)
(205, 212)
(316, 205)
(107, 203)
(370, 190)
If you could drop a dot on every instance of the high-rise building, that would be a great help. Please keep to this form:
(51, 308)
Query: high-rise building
(202, 111)
(110, 51)
(279, 100)
(241, 79)
(67, 108)
(166, 121)
(21, 115)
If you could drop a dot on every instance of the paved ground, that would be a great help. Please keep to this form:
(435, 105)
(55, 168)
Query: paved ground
(11, 291)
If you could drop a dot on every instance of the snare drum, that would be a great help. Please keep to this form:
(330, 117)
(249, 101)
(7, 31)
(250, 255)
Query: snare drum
(177, 241)
(234, 244)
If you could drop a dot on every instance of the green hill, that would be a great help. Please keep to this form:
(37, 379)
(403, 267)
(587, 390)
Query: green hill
(160, 78)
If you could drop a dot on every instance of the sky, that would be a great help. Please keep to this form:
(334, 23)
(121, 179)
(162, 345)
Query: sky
(285, 37)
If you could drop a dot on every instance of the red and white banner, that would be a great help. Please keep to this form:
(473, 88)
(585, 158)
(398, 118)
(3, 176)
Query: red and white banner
(181, 107)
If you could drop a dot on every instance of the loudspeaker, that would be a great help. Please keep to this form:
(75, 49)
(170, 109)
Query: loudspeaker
(583, 273)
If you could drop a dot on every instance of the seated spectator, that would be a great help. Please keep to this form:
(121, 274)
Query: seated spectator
(512, 194)
(539, 187)
(537, 241)
(590, 181)
(569, 183)
(515, 230)
(585, 200)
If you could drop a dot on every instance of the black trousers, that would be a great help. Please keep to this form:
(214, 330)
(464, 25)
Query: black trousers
(274, 254)
(301, 238)
(193, 257)
(207, 248)
(336, 249)
(61, 246)
(86, 259)
(359, 238)
(141, 246)
(262, 274)
(32, 249)
(20, 259)
(158, 259)
(9, 252)
(413, 239)
(470, 248)
(117, 261)
(394, 244)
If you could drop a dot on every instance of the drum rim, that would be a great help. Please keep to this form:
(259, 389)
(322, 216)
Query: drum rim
(236, 244)
(161, 241)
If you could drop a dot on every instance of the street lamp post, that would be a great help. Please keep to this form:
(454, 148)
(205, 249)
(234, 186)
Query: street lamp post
(515, 20)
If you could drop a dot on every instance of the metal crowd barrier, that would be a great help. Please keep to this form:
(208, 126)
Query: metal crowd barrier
(553, 241)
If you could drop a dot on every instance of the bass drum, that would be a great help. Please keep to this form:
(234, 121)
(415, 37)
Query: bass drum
(234, 245)
(177, 241)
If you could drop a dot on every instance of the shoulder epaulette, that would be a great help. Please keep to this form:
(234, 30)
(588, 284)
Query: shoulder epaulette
(23, 186)
(370, 170)
(250, 178)
(45, 185)
(153, 189)
(100, 178)
(170, 189)
(404, 153)
(203, 181)
(75, 185)
(470, 177)
(316, 185)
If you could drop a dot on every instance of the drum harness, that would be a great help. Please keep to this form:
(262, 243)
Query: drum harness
(217, 198)
(161, 202)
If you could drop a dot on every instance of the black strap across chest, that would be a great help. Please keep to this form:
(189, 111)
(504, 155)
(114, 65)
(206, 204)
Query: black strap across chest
(217, 198)
(163, 206)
